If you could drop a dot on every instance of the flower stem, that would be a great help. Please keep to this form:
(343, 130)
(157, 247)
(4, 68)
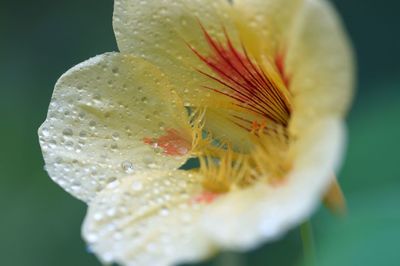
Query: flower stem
(307, 238)
(230, 259)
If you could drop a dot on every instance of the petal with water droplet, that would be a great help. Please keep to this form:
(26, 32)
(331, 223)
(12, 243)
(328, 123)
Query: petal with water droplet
(264, 24)
(100, 115)
(163, 32)
(320, 63)
(154, 220)
(268, 211)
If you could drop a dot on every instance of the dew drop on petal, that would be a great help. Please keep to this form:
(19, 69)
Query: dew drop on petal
(45, 132)
(67, 132)
(127, 166)
(115, 136)
(112, 182)
(83, 134)
(92, 237)
(164, 211)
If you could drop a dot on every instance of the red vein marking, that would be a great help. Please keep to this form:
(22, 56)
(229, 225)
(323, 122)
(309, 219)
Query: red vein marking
(172, 143)
(246, 82)
(206, 197)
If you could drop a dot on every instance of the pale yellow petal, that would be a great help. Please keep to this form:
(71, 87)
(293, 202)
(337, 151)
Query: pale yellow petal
(307, 40)
(245, 218)
(163, 32)
(150, 218)
(103, 118)
(264, 24)
(320, 64)
(230, 126)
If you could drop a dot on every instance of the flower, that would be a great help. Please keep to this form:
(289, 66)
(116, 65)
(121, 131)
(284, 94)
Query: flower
(256, 90)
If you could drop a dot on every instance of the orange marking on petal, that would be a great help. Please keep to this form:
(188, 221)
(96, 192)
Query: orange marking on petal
(206, 197)
(172, 143)
(148, 140)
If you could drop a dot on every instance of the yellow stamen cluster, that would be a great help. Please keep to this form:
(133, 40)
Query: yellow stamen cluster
(257, 91)
(225, 169)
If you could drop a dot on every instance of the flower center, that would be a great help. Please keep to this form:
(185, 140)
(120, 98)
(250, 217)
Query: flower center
(258, 88)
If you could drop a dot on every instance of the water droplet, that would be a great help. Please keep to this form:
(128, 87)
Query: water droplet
(45, 132)
(69, 145)
(92, 124)
(127, 166)
(111, 212)
(67, 132)
(83, 134)
(164, 211)
(114, 147)
(91, 238)
(115, 135)
(144, 100)
(112, 182)
(98, 216)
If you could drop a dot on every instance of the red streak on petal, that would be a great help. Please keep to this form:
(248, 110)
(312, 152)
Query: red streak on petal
(245, 80)
(280, 64)
(172, 143)
(206, 197)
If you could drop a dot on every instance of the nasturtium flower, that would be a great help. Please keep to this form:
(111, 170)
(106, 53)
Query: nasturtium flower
(255, 90)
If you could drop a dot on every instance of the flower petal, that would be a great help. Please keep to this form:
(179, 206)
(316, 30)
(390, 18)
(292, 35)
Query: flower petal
(307, 41)
(148, 219)
(320, 64)
(244, 218)
(104, 121)
(223, 124)
(163, 32)
(264, 24)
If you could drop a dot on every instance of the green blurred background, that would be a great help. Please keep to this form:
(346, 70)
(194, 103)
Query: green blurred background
(40, 223)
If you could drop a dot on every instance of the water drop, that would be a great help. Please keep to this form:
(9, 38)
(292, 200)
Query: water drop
(92, 124)
(112, 182)
(164, 211)
(127, 166)
(144, 100)
(91, 238)
(67, 132)
(115, 135)
(45, 132)
(83, 134)
(114, 147)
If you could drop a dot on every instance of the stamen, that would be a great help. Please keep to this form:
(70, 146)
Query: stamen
(269, 161)
(255, 88)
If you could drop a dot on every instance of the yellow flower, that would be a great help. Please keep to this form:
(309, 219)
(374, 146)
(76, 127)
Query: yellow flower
(256, 90)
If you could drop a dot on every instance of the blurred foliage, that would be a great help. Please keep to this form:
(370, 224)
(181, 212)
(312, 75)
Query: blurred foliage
(40, 223)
